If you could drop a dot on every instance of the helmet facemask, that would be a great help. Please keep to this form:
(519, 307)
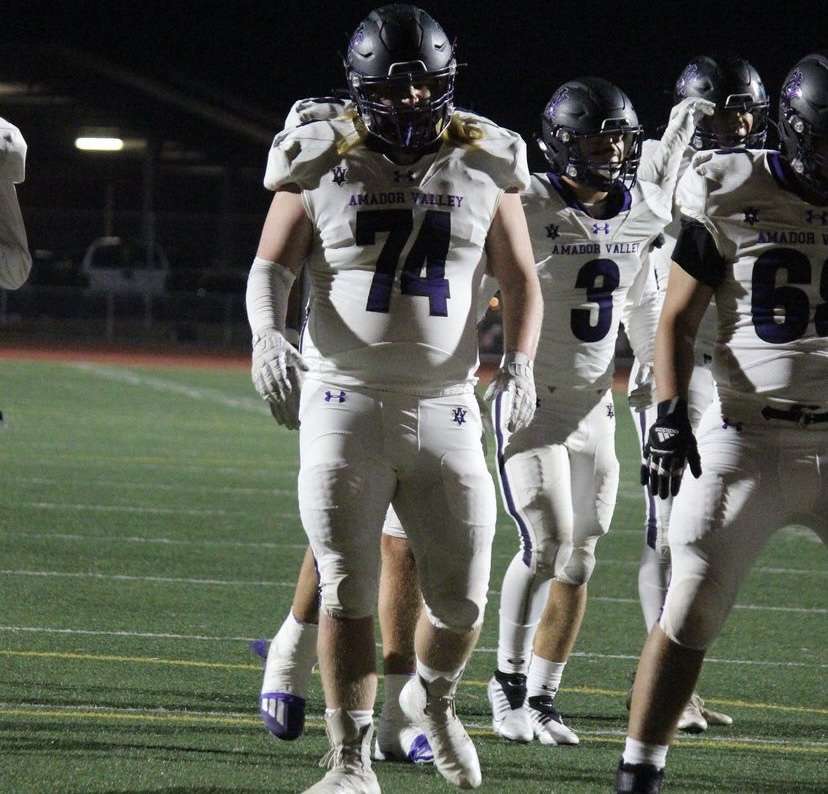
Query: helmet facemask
(568, 152)
(709, 135)
(801, 146)
(408, 109)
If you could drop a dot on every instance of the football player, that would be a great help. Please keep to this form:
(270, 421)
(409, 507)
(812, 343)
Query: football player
(387, 408)
(15, 259)
(591, 224)
(739, 119)
(291, 655)
(752, 237)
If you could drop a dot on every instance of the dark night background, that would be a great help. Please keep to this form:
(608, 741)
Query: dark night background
(251, 60)
(269, 53)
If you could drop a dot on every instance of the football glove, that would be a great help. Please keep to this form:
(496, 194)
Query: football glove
(515, 378)
(277, 375)
(662, 168)
(670, 446)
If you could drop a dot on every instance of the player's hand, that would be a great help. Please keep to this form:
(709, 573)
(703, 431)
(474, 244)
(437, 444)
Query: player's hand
(277, 375)
(670, 446)
(515, 378)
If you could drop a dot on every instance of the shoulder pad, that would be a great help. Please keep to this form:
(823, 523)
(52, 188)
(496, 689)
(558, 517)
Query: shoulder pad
(12, 153)
(499, 152)
(323, 108)
(302, 155)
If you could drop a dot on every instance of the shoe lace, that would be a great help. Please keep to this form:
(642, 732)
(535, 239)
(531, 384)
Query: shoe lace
(343, 756)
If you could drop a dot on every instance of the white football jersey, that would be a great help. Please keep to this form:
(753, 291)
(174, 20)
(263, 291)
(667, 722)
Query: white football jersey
(772, 281)
(591, 272)
(662, 258)
(15, 260)
(396, 262)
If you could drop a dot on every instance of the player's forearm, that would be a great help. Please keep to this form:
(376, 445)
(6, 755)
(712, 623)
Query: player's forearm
(674, 358)
(522, 314)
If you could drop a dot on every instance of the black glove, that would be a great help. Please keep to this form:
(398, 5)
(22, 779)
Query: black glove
(670, 446)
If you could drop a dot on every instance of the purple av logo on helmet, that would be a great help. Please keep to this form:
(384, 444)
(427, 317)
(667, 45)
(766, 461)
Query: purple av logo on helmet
(793, 88)
(555, 102)
(687, 77)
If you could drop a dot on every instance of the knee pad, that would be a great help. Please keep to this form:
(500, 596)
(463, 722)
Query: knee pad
(694, 612)
(344, 532)
(581, 563)
(348, 595)
(454, 575)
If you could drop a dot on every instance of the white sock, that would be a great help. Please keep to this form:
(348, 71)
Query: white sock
(522, 600)
(359, 716)
(394, 682)
(544, 677)
(636, 752)
(441, 682)
(291, 657)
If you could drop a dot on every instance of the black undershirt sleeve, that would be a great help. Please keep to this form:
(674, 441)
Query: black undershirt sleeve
(696, 252)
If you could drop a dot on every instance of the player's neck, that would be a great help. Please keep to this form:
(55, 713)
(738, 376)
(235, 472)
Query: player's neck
(592, 199)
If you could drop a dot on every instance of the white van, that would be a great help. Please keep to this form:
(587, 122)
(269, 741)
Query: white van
(119, 264)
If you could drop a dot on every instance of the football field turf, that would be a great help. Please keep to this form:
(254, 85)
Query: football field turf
(148, 530)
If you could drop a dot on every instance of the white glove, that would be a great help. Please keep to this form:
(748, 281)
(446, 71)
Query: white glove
(515, 377)
(662, 168)
(277, 375)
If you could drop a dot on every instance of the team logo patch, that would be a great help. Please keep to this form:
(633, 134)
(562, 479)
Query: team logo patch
(339, 174)
(458, 415)
(751, 215)
(334, 397)
(600, 228)
(812, 216)
(409, 175)
(552, 232)
(610, 411)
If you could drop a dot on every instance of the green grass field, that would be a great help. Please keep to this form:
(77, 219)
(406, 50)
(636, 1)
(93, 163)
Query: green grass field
(148, 529)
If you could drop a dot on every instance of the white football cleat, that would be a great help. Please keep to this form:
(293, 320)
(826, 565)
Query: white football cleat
(714, 717)
(349, 759)
(400, 740)
(691, 719)
(547, 723)
(507, 697)
(455, 755)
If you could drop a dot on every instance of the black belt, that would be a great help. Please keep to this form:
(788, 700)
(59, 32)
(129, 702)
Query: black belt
(796, 414)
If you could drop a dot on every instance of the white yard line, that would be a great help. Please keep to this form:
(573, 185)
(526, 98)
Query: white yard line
(482, 650)
(273, 583)
(122, 375)
(153, 486)
(65, 536)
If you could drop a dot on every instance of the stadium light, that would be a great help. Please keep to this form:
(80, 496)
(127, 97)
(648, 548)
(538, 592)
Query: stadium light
(93, 144)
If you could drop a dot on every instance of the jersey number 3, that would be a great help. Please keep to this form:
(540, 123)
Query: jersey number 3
(771, 324)
(429, 249)
(587, 279)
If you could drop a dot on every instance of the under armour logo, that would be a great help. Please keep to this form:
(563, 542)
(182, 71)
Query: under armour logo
(409, 175)
(458, 415)
(552, 232)
(332, 397)
(751, 215)
(597, 228)
(340, 174)
(665, 433)
(812, 216)
(610, 411)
